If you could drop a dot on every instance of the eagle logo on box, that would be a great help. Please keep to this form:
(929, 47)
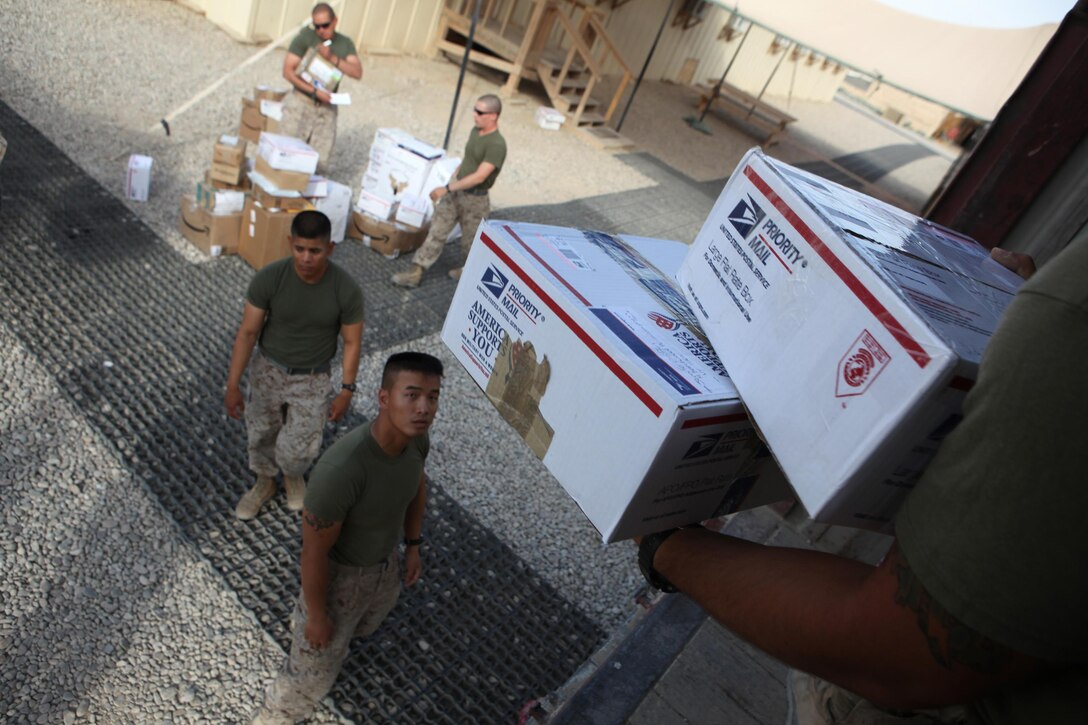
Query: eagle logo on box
(860, 366)
(746, 216)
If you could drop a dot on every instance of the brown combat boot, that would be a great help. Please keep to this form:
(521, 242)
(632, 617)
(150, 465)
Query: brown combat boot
(254, 498)
(296, 491)
(410, 277)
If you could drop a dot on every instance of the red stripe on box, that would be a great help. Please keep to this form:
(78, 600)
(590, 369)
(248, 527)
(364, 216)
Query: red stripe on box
(545, 265)
(581, 334)
(716, 420)
(912, 346)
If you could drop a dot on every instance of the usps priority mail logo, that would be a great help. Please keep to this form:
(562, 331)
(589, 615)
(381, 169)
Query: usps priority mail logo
(703, 446)
(746, 216)
(494, 280)
(860, 366)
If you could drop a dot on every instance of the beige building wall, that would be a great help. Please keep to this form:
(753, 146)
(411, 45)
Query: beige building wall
(634, 25)
(969, 69)
(376, 26)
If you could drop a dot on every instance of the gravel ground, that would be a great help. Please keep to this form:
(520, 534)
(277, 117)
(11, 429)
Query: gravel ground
(106, 613)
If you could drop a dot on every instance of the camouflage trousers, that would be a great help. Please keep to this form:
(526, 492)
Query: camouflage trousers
(285, 417)
(314, 123)
(358, 599)
(453, 208)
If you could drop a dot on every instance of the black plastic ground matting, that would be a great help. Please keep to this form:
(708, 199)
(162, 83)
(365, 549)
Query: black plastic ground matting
(139, 339)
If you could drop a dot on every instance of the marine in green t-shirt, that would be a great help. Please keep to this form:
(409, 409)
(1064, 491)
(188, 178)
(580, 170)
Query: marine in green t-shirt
(465, 200)
(366, 490)
(295, 311)
(309, 113)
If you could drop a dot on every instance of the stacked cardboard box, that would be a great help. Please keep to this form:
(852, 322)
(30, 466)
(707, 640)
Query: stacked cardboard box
(586, 346)
(212, 233)
(285, 161)
(229, 160)
(852, 330)
(281, 177)
(393, 209)
(263, 112)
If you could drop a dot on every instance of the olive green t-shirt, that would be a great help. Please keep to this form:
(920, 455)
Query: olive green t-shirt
(304, 320)
(359, 484)
(994, 529)
(341, 46)
(490, 148)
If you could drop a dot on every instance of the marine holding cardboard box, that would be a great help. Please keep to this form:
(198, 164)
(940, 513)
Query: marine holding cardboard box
(465, 200)
(979, 607)
(308, 112)
(295, 310)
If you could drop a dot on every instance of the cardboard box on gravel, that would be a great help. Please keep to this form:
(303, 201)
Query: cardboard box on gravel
(265, 234)
(587, 348)
(388, 238)
(214, 234)
(851, 328)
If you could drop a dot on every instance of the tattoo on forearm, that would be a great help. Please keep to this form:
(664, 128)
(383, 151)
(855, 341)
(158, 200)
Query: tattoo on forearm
(950, 641)
(315, 522)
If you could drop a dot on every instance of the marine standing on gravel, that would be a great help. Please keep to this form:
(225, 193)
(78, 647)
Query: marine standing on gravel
(464, 200)
(366, 491)
(295, 310)
(308, 113)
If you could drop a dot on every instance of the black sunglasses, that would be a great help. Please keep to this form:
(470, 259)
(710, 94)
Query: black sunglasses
(481, 113)
(322, 26)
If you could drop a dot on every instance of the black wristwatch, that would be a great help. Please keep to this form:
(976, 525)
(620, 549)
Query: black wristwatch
(350, 387)
(646, 552)
(413, 542)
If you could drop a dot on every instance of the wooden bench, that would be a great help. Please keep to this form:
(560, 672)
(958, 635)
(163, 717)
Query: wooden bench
(746, 109)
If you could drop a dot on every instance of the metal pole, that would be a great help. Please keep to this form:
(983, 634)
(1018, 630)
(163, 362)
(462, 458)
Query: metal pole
(770, 78)
(645, 66)
(721, 81)
(461, 77)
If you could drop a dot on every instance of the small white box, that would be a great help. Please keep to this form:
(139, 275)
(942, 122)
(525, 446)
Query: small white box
(336, 205)
(549, 118)
(412, 210)
(287, 153)
(376, 205)
(585, 345)
(851, 328)
(138, 177)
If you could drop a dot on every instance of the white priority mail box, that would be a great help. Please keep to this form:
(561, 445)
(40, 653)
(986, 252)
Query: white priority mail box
(585, 345)
(852, 330)
(138, 177)
(399, 164)
(375, 205)
(287, 153)
(412, 210)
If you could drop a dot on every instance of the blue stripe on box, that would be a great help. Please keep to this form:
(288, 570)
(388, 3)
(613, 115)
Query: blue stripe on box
(643, 352)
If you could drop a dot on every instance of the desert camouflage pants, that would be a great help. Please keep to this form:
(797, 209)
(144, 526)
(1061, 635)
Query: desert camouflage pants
(285, 416)
(454, 207)
(314, 123)
(358, 599)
